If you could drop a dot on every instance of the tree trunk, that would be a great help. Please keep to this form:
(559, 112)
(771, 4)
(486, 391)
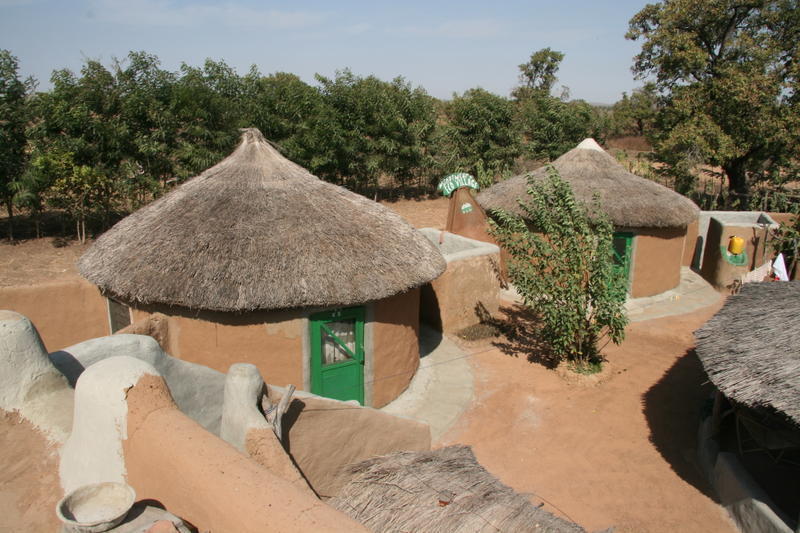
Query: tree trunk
(10, 210)
(737, 176)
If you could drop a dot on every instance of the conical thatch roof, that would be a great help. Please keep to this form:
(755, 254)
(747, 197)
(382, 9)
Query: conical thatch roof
(257, 231)
(630, 201)
(751, 348)
(402, 492)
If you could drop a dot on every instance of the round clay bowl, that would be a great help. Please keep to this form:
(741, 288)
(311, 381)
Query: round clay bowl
(96, 507)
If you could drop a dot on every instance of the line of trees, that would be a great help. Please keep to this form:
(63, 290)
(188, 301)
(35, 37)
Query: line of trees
(111, 138)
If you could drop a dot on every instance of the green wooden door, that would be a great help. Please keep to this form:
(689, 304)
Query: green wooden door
(337, 354)
(623, 252)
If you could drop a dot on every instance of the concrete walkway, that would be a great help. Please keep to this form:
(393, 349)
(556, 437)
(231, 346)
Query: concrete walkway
(442, 388)
(692, 294)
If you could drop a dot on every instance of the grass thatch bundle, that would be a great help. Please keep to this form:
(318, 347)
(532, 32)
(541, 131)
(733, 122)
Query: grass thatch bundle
(441, 491)
(751, 348)
(257, 231)
(630, 201)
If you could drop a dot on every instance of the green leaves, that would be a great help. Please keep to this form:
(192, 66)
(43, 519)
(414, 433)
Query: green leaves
(561, 263)
(727, 71)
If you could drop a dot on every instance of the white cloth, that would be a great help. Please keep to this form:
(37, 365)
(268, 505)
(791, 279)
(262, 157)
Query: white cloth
(758, 274)
(779, 267)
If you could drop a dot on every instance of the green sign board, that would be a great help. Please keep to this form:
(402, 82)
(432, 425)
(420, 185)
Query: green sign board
(455, 181)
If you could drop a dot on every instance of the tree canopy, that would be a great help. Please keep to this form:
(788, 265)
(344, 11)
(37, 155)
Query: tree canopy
(727, 71)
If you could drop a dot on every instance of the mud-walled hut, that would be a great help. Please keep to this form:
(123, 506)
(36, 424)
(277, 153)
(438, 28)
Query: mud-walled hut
(256, 260)
(650, 220)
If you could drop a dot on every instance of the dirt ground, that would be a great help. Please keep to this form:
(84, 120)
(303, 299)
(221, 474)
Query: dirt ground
(29, 483)
(32, 261)
(610, 450)
(37, 260)
(614, 450)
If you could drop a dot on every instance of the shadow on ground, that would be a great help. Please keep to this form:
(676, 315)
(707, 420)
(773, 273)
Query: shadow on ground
(518, 331)
(673, 407)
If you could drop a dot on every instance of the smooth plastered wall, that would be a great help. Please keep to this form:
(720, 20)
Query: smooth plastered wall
(196, 475)
(274, 342)
(657, 260)
(395, 345)
(65, 312)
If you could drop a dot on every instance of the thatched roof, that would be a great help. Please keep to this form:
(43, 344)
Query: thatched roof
(751, 348)
(630, 201)
(257, 231)
(402, 492)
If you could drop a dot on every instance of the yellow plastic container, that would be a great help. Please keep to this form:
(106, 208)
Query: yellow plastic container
(735, 245)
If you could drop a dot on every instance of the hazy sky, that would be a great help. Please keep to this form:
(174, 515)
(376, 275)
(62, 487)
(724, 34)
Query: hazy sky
(446, 47)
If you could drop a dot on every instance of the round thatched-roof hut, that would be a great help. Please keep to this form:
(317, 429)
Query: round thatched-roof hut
(751, 348)
(656, 226)
(257, 260)
(441, 491)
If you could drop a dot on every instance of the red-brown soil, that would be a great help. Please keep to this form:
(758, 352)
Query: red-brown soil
(614, 449)
(29, 482)
(37, 260)
(421, 213)
(32, 261)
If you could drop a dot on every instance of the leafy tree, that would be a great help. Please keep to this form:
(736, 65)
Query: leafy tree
(81, 118)
(207, 104)
(151, 128)
(286, 110)
(368, 127)
(561, 262)
(551, 126)
(728, 72)
(635, 114)
(480, 133)
(81, 190)
(13, 118)
(539, 73)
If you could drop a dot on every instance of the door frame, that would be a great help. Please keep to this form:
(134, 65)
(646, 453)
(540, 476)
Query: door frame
(315, 322)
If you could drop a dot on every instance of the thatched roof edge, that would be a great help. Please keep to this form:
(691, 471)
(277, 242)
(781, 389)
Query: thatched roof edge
(750, 349)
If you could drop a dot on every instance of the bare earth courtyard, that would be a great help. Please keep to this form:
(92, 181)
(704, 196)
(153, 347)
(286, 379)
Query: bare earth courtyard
(610, 450)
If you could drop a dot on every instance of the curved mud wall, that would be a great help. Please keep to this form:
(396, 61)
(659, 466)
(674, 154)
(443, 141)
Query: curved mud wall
(274, 342)
(65, 312)
(657, 259)
(205, 480)
(395, 345)
(271, 341)
(325, 436)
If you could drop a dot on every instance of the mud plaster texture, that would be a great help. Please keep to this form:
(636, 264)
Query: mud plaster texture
(29, 483)
(29, 383)
(172, 459)
(93, 451)
(395, 345)
(65, 312)
(324, 436)
(273, 341)
(197, 390)
(470, 222)
(244, 426)
(719, 272)
(611, 450)
(469, 288)
(658, 256)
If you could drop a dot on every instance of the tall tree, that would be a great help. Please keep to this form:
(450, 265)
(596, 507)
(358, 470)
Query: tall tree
(13, 118)
(481, 134)
(539, 72)
(728, 72)
(368, 127)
